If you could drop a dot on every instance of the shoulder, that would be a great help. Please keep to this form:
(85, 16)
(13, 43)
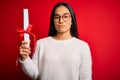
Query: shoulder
(43, 40)
(81, 44)
(80, 41)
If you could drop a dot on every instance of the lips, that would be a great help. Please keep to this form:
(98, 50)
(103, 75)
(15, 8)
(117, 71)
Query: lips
(61, 25)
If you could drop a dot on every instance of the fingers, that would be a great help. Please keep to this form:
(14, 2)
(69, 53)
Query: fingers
(25, 47)
(25, 43)
(24, 50)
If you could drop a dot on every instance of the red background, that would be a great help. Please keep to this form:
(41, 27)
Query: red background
(98, 24)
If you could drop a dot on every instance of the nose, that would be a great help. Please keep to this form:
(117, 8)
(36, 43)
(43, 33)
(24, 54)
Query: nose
(61, 20)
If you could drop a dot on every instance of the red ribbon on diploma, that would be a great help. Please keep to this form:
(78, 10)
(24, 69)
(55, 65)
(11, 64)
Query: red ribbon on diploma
(22, 32)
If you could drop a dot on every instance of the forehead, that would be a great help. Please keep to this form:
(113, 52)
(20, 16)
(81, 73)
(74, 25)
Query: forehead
(61, 10)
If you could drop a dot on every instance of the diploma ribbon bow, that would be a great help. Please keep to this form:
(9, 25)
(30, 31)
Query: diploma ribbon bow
(22, 32)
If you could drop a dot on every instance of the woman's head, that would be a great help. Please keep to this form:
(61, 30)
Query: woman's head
(63, 19)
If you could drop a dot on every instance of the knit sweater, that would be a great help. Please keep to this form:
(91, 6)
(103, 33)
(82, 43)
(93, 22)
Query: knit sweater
(59, 60)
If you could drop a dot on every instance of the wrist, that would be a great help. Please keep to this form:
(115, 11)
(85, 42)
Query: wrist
(22, 58)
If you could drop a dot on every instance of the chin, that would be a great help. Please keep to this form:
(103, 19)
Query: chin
(62, 31)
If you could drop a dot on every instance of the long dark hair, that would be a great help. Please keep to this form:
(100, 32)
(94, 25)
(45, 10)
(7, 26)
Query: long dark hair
(73, 29)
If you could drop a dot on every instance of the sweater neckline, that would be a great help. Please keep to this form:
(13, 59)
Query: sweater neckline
(61, 41)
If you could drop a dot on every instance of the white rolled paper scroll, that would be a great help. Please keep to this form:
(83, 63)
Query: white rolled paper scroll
(26, 24)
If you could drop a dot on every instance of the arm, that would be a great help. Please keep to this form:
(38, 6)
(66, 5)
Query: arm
(86, 64)
(30, 66)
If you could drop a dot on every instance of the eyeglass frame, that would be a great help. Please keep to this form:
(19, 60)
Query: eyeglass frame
(59, 17)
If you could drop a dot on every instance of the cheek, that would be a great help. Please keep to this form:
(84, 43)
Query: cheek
(55, 23)
(69, 24)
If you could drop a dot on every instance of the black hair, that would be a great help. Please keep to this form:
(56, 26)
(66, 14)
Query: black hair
(73, 29)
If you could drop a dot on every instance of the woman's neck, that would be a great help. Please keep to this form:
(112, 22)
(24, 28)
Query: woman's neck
(62, 36)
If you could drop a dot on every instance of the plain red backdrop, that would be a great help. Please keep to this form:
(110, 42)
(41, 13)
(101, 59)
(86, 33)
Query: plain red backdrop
(98, 24)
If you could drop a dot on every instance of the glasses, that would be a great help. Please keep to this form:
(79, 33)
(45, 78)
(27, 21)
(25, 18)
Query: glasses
(65, 17)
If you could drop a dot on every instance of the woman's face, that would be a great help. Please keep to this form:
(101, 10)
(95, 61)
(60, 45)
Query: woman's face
(62, 19)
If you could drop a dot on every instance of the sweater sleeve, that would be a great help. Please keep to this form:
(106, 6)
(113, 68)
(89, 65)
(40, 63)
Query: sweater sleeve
(30, 66)
(86, 64)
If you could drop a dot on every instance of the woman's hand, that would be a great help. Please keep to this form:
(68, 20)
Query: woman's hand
(24, 50)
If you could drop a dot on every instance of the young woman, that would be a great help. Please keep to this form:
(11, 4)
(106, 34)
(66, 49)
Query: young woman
(61, 55)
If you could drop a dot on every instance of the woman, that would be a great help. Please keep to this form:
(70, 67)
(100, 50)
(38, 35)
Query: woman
(61, 55)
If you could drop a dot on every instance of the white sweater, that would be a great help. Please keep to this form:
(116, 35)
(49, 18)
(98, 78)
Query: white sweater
(59, 60)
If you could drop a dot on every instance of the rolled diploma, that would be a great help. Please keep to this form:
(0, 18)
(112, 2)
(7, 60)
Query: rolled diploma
(26, 24)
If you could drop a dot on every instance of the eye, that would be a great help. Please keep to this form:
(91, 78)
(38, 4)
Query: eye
(56, 17)
(66, 16)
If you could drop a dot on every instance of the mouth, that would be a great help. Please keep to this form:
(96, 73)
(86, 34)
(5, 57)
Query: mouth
(61, 25)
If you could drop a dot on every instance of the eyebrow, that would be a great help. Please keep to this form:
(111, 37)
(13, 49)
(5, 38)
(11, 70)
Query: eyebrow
(59, 14)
